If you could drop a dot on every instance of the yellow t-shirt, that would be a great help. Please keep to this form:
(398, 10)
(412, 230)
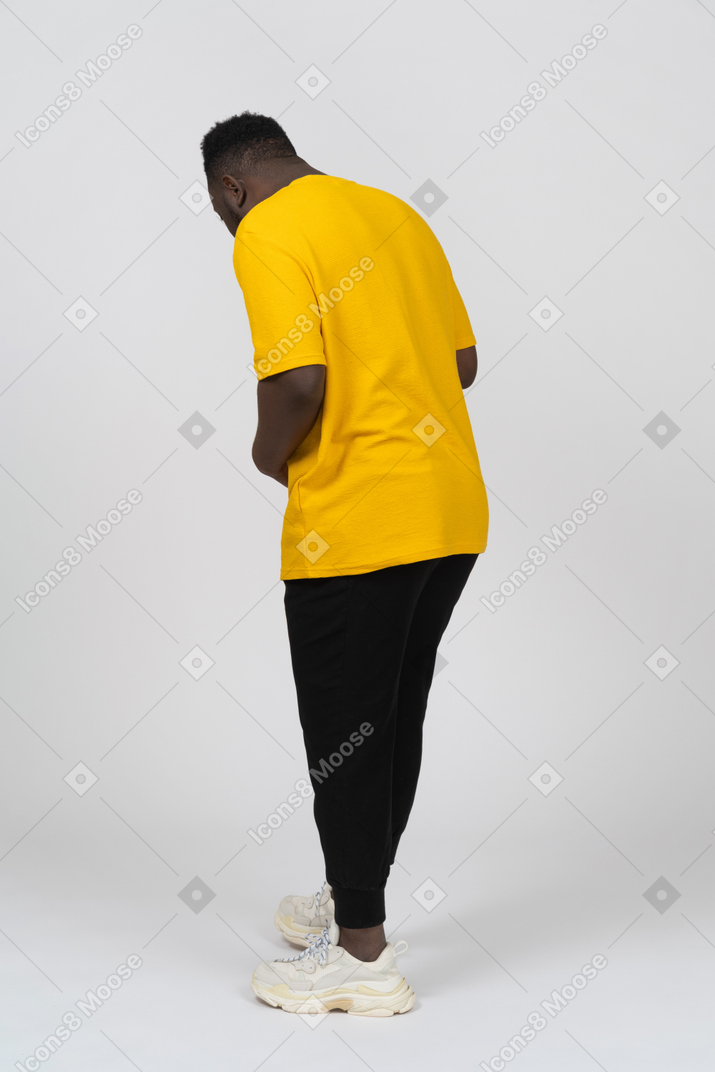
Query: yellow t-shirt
(338, 274)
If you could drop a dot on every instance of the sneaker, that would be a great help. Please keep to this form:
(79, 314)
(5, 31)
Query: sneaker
(325, 977)
(301, 919)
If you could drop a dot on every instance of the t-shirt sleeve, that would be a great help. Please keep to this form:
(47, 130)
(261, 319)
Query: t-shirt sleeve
(463, 334)
(278, 294)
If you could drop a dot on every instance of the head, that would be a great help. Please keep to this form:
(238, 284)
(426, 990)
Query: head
(246, 159)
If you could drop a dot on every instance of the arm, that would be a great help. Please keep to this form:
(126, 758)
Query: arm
(467, 365)
(288, 405)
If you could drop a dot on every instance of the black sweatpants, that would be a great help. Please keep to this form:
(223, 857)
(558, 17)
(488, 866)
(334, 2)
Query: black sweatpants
(363, 650)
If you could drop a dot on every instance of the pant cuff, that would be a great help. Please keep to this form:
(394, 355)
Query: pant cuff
(358, 908)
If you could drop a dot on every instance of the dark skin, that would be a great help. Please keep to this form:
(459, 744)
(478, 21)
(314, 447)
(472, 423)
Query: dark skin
(289, 403)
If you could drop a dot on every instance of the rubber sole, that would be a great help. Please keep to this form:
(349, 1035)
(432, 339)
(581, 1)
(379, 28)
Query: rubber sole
(297, 937)
(358, 1002)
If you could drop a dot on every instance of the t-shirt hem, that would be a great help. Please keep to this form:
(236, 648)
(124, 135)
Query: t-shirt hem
(289, 363)
(470, 547)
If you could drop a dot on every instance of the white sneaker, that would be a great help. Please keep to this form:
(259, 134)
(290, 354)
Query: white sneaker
(325, 977)
(301, 919)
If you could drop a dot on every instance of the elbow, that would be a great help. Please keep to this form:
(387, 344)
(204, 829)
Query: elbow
(307, 387)
(302, 387)
(261, 463)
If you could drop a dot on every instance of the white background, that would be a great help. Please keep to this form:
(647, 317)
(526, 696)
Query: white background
(533, 885)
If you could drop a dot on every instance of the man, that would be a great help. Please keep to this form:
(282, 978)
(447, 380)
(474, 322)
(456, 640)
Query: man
(362, 349)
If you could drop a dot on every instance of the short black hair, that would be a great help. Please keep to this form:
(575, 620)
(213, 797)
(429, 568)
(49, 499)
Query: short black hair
(244, 143)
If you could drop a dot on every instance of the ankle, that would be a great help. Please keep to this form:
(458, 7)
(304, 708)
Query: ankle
(365, 944)
(366, 954)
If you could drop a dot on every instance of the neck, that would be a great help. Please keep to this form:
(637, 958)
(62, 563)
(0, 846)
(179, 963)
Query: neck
(292, 168)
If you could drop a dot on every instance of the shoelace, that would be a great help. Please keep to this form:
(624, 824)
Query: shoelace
(317, 948)
(317, 897)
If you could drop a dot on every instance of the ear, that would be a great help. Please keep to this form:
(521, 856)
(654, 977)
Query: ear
(236, 188)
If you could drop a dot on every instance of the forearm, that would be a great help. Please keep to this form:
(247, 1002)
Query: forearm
(276, 441)
(288, 406)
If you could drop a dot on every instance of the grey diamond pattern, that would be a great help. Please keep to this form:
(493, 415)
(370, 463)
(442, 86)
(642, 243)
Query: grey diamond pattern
(152, 748)
(196, 430)
(196, 895)
(662, 894)
(662, 430)
(428, 197)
